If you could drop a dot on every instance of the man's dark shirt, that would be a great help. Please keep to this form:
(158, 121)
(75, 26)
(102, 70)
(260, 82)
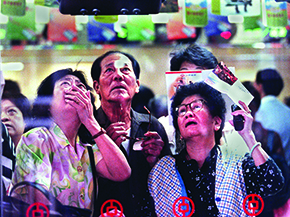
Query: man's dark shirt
(133, 193)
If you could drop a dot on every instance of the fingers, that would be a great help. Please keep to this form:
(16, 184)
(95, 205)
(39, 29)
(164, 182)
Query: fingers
(246, 113)
(81, 101)
(245, 110)
(77, 97)
(245, 107)
(117, 132)
(153, 145)
(152, 149)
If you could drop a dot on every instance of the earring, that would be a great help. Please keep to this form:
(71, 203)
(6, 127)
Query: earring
(217, 128)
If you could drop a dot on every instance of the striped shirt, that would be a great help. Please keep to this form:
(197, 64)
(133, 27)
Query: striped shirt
(7, 158)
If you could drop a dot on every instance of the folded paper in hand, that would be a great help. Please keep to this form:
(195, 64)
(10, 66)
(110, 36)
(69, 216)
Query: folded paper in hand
(223, 80)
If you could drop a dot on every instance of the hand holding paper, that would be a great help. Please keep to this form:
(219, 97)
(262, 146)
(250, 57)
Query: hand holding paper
(223, 80)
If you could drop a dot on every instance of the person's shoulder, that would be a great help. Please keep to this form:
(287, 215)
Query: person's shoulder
(162, 169)
(140, 117)
(36, 130)
(164, 163)
(37, 133)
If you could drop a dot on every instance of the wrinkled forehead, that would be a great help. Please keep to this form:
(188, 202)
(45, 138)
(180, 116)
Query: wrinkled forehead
(116, 60)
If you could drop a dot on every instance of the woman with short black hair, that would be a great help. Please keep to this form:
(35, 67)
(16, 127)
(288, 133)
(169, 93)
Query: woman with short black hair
(215, 179)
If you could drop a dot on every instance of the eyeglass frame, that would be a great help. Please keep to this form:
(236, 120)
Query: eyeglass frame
(188, 105)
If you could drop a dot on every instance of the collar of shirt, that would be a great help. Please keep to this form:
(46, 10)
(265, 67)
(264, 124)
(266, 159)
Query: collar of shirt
(62, 140)
(210, 159)
(268, 99)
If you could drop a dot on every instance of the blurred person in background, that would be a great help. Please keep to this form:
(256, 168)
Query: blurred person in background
(142, 99)
(272, 144)
(271, 141)
(116, 80)
(12, 87)
(158, 106)
(16, 114)
(273, 114)
(287, 101)
(187, 58)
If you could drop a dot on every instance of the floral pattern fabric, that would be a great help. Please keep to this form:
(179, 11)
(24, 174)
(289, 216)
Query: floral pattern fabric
(46, 157)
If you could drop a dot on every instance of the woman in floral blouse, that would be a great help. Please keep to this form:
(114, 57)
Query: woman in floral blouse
(55, 154)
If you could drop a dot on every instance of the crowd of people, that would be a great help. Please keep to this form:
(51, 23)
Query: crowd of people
(122, 151)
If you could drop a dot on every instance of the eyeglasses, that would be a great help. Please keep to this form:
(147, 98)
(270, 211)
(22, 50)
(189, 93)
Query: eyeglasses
(195, 106)
(149, 125)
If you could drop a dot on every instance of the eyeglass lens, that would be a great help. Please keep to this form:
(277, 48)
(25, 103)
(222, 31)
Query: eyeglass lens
(194, 106)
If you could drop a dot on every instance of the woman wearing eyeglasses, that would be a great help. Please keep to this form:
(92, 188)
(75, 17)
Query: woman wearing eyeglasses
(215, 179)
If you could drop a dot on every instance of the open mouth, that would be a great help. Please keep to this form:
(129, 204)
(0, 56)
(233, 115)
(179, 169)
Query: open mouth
(119, 88)
(190, 123)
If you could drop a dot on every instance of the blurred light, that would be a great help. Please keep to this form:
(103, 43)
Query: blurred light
(274, 33)
(41, 14)
(82, 19)
(278, 32)
(226, 34)
(283, 32)
(160, 18)
(122, 32)
(13, 66)
(123, 18)
(3, 19)
(235, 19)
(260, 45)
(2, 34)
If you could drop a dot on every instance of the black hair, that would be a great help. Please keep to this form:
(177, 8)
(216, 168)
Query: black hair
(192, 53)
(41, 106)
(96, 67)
(158, 105)
(271, 81)
(141, 99)
(256, 102)
(11, 87)
(22, 103)
(214, 102)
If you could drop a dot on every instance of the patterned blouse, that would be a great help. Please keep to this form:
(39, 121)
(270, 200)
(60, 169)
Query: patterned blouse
(218, 188)
(46, 157)
(200, 186)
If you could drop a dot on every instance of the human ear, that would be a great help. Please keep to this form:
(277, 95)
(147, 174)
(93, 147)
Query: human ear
(137, 86)
(217, 123)
(96, 87)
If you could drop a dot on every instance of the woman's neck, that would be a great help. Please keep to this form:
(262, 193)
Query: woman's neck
(199, 149)
(69, 127)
